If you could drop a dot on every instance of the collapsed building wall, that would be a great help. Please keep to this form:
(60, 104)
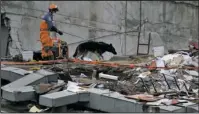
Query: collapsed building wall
(171, 23)
(4, 35)
(4, 40)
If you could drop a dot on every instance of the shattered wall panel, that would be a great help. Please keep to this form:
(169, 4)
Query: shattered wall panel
(4, 40)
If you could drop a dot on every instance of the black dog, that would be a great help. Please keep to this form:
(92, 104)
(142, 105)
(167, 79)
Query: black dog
(99, 47)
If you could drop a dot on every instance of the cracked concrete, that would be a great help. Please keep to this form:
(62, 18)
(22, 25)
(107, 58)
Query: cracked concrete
(171, 23)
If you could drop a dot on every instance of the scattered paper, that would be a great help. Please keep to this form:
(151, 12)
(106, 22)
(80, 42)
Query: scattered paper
(188, 78)
(34, 109)
(73, 87)
(191, 72)
(160, 63)
(83, 75)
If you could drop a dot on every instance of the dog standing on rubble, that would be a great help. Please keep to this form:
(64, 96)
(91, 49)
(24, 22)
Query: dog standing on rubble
(92, 46)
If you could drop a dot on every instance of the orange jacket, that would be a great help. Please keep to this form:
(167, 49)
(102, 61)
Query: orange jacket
(45, 26)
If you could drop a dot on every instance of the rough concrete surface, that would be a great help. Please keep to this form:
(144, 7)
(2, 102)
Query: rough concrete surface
(4, 40)
(171, 23)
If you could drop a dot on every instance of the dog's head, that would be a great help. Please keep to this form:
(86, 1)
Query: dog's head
(111, 49)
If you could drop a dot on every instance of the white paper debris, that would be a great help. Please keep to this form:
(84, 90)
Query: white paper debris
(145, 76)
(188, 78)
(160, 63)
(34, 109)
(87, 59)
(192, 72)
(73, 87)
(83, 75)
(157, 103)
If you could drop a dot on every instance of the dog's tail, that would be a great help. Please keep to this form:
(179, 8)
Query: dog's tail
(75, 54)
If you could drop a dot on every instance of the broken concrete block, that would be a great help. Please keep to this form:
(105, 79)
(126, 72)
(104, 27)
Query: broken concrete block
(19, 94)
(58, 99)
(34, 79)
(105, 100)
(2, 65)
(170, 109)
(11, 73)
(30, 79)
(83, 96)
(193, 108)
(192, 72)
(52, 77)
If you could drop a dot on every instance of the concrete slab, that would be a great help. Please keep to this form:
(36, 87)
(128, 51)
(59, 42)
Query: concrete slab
(193, 108)
(105, 100)
(2, 65)
(27, 80)
(19, 94)
(32, 79)
(52, 77)
(178, 108)
(169, 109)
(113, 102)
(58, 99)
(11, 73)
(25, 93)
(83, 97)
(17, 90)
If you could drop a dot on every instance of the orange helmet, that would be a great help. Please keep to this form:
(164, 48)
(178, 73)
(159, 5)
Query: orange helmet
(53, 7)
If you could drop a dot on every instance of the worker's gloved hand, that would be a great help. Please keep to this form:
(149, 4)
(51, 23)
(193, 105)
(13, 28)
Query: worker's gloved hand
(60, 32)
(53, 28)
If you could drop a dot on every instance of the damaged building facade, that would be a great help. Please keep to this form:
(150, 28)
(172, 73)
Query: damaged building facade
(171, 24)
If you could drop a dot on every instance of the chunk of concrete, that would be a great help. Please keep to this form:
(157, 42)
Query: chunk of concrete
(52, 77)
(2, 65)
(108, 101)
(11, 73)
(105, 100)
(24, 93)
(19, 94)
(33, 79)
(58, 99)
(193, 108)
(83, 97)
(169, 109)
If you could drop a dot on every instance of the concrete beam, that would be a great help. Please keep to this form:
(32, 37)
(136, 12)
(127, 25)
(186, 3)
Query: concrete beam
(19, 94)
(11, 73)
(113, 102)
(20, 90)
(34, 79)
(25, 93)
(193, 108)
(58, 99)
(104, 100)
(51, 76)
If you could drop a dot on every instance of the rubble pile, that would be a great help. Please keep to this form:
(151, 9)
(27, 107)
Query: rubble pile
(140, 80)
(166, 80)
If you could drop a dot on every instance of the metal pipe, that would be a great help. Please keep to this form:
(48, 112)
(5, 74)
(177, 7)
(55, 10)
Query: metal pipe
(139, 27)
(101, 75)
(144, 85)
(149, 43)
(166, 81)
(125, 28)
(153, 86)
(176, 83)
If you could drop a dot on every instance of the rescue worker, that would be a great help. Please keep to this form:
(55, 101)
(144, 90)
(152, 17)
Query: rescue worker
(46, 26)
